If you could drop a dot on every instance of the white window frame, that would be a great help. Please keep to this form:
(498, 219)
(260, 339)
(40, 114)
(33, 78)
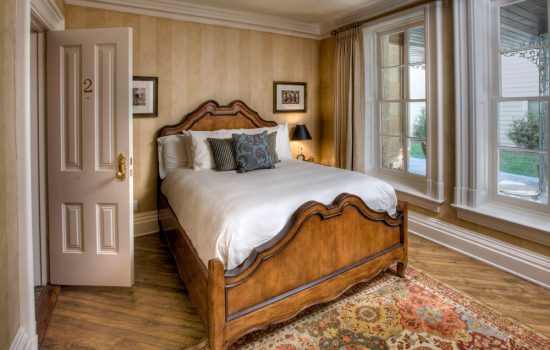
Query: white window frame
(495, 81)
(412, 178)
(424, 191)
(477, 94)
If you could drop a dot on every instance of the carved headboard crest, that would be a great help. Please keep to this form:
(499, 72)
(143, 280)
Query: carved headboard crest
(211, 116)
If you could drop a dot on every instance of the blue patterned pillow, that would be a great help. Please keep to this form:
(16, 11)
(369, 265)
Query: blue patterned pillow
(252, 152)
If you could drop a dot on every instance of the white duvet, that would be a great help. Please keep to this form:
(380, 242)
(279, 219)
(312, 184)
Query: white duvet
(226, 214)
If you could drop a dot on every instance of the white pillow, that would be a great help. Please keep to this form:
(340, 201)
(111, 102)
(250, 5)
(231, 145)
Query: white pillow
(173, 152)
(283, 141)
(202, 157)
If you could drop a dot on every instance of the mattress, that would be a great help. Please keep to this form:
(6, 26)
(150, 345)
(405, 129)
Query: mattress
(227, 214)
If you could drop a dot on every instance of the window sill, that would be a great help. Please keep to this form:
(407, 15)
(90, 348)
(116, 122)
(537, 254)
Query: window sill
(521, 223)
(414, 196)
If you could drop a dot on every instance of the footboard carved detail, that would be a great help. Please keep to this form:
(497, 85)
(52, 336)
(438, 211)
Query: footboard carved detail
(322, 252)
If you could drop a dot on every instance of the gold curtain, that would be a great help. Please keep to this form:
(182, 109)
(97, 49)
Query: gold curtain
(349, 103)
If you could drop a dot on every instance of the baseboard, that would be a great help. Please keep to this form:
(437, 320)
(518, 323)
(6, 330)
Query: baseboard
(146, 223)
(510, 258)
(24, 341)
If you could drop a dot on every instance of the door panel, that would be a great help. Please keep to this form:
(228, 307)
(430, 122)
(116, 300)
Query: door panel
(71, 112)
(89, 126)
(106, 117)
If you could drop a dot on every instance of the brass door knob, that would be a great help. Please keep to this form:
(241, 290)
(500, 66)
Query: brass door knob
(121, 173)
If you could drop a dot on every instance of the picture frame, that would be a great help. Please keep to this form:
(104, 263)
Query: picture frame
(289, 97)
(145, 97)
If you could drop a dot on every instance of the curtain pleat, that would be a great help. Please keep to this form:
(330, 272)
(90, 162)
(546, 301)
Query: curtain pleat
(349, 104)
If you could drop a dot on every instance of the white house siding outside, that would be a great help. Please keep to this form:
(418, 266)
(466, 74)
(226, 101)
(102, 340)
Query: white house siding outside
(520, 77)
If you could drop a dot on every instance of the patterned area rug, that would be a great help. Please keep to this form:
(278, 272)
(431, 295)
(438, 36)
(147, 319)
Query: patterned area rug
(391, 313)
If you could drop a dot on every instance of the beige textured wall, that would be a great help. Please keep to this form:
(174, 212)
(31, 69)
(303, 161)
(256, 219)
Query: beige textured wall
(326, 100)
(196, 62)
(447, 212)
(61, 5)
(9, 268)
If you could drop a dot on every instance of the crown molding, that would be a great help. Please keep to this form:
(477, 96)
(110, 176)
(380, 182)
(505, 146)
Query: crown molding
(179, 10)
(46, 16)
(372, 10)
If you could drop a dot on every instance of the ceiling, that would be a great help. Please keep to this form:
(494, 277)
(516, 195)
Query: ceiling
(309, 11)
(305, 18)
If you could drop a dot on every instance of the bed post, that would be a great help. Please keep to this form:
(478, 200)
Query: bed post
(402, 206)
(216, 305)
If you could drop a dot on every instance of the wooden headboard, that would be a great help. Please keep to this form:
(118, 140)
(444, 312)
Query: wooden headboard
(211, 116)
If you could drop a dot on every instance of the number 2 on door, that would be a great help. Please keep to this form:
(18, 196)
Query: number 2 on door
(88, 85)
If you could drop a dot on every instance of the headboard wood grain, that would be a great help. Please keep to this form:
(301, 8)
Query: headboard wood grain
(211, 116)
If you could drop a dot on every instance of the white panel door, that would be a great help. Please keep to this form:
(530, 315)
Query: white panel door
(89, 126)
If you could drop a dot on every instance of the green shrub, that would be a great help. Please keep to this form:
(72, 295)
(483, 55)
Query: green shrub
(525, 132)
(419, 126)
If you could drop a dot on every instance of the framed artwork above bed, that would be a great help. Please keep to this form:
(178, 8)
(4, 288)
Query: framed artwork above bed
(289, 97)
(145, 97)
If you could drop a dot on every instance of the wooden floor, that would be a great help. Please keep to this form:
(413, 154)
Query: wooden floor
(157, 314)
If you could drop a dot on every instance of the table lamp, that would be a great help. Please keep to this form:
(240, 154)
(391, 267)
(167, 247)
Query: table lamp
(300, 134)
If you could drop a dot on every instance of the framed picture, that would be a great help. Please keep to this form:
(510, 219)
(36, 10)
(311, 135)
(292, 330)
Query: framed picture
(144, 97)
(289, 97)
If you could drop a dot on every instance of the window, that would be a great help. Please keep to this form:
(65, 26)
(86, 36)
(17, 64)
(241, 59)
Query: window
(501, 85)
(521, 112)
(403, 103)
(402, 100)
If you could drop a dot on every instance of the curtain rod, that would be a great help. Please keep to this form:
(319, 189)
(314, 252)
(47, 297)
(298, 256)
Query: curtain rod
(382, 15)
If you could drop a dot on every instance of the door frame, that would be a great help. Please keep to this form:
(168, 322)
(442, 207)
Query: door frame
(38, 158)
(45, 14)
(45, 17)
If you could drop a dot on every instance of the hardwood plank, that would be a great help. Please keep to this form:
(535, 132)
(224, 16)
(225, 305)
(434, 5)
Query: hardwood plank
(157, 314)
(44, 309)
(505, 293)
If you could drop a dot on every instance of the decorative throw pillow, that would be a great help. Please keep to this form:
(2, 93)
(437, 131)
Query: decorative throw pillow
(272, 142)
(283, 141)
(223, 151)
(252, 152)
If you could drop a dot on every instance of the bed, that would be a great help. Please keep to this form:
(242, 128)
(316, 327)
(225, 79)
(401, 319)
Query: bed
(319, 250)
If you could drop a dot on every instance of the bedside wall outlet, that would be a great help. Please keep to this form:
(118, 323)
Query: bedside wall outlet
(136, 207)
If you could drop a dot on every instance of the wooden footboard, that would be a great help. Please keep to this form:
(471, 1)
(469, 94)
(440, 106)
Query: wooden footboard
(323, 251)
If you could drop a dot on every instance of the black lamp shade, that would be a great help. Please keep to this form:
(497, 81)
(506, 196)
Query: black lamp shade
(301, 133)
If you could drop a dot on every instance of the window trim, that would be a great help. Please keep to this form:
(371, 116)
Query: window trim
(473, 192)
(495, 85)
(420, 190)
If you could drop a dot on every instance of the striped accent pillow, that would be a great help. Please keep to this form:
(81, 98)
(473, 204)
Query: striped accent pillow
(272, 143)
(224, 153)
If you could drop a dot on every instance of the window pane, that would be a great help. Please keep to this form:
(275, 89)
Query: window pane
(391, 119)
(523, 124)
(392, 49)
(416, 45)
(523, 24)
(524, 73)
(417, 157)
(392, 83)
(417, 119)
(523, 175)
(392, 152)
(417, 82)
